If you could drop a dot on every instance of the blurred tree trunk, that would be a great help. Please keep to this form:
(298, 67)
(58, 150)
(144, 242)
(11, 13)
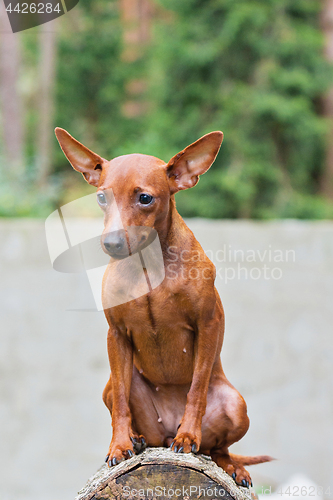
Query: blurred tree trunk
(327, 26)
(47, 61)
(11, 101)
(136, 18)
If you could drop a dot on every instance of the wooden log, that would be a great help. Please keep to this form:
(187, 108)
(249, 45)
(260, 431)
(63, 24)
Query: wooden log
(161, 474)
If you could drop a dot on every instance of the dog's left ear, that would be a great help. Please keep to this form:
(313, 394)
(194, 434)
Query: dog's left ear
(185, 167)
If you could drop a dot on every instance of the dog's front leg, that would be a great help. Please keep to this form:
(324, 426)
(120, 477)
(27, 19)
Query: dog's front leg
(121, 364)
(209, 330)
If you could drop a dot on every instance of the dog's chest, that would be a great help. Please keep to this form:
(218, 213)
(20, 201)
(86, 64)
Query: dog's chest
(158, 313)
(162, 337)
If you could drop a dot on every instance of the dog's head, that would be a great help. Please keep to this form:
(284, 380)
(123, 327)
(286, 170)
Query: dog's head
(134, 190)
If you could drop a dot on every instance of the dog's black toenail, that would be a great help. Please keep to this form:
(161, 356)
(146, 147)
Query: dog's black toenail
(130, 453)
(106, 458)
(178, 426)
(234, 476)
(181, 449)
(137, 446)
(110, 463)
(175, 449)
(244, 482)
(251, 484)
(194, 448)
(114, 461)
(171, 445)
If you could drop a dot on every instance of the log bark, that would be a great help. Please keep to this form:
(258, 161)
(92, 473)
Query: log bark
(159, 473)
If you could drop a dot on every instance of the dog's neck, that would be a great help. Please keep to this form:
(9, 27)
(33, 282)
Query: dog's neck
(172, 231)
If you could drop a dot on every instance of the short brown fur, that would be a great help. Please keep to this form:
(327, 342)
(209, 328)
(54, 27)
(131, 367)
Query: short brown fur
(167, 386)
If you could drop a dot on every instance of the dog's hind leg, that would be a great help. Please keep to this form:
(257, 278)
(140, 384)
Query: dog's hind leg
(225, 422)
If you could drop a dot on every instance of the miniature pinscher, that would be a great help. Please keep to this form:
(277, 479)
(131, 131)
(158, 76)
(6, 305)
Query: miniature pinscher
(167, 386)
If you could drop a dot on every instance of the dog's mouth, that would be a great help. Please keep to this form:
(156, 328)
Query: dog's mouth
(124, 243)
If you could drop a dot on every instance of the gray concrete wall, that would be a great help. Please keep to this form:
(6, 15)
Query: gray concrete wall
(278, 352)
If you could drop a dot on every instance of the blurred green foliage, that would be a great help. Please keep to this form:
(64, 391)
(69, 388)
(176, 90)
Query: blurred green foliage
(252, 68)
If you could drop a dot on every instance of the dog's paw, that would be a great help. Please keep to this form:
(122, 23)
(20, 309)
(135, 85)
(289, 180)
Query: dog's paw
(118, 453)
(234, 469)
(185, 442)
(239, 475)
(122, 451)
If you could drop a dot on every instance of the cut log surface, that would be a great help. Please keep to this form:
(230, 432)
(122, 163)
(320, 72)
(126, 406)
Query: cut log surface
(161, 474)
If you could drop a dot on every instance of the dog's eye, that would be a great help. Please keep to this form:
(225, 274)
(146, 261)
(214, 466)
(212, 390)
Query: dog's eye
(101, 198)
(145, 199)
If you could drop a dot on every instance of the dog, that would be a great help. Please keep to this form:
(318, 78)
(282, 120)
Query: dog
(167, 386)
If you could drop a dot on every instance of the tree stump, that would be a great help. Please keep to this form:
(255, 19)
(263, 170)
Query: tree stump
(161, 474)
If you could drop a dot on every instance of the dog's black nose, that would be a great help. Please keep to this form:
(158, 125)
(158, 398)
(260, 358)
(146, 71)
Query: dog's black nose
(114, 243)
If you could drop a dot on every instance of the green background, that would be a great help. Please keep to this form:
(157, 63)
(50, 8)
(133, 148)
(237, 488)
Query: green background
(253, 69)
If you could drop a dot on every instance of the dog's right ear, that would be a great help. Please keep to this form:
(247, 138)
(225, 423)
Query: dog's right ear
(80, 157)
(184, 169)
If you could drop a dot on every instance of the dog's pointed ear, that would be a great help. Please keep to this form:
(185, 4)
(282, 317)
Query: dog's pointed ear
(81, 158)
(185, 167)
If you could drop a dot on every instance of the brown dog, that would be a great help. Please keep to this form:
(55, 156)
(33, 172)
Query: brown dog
(167, 386)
